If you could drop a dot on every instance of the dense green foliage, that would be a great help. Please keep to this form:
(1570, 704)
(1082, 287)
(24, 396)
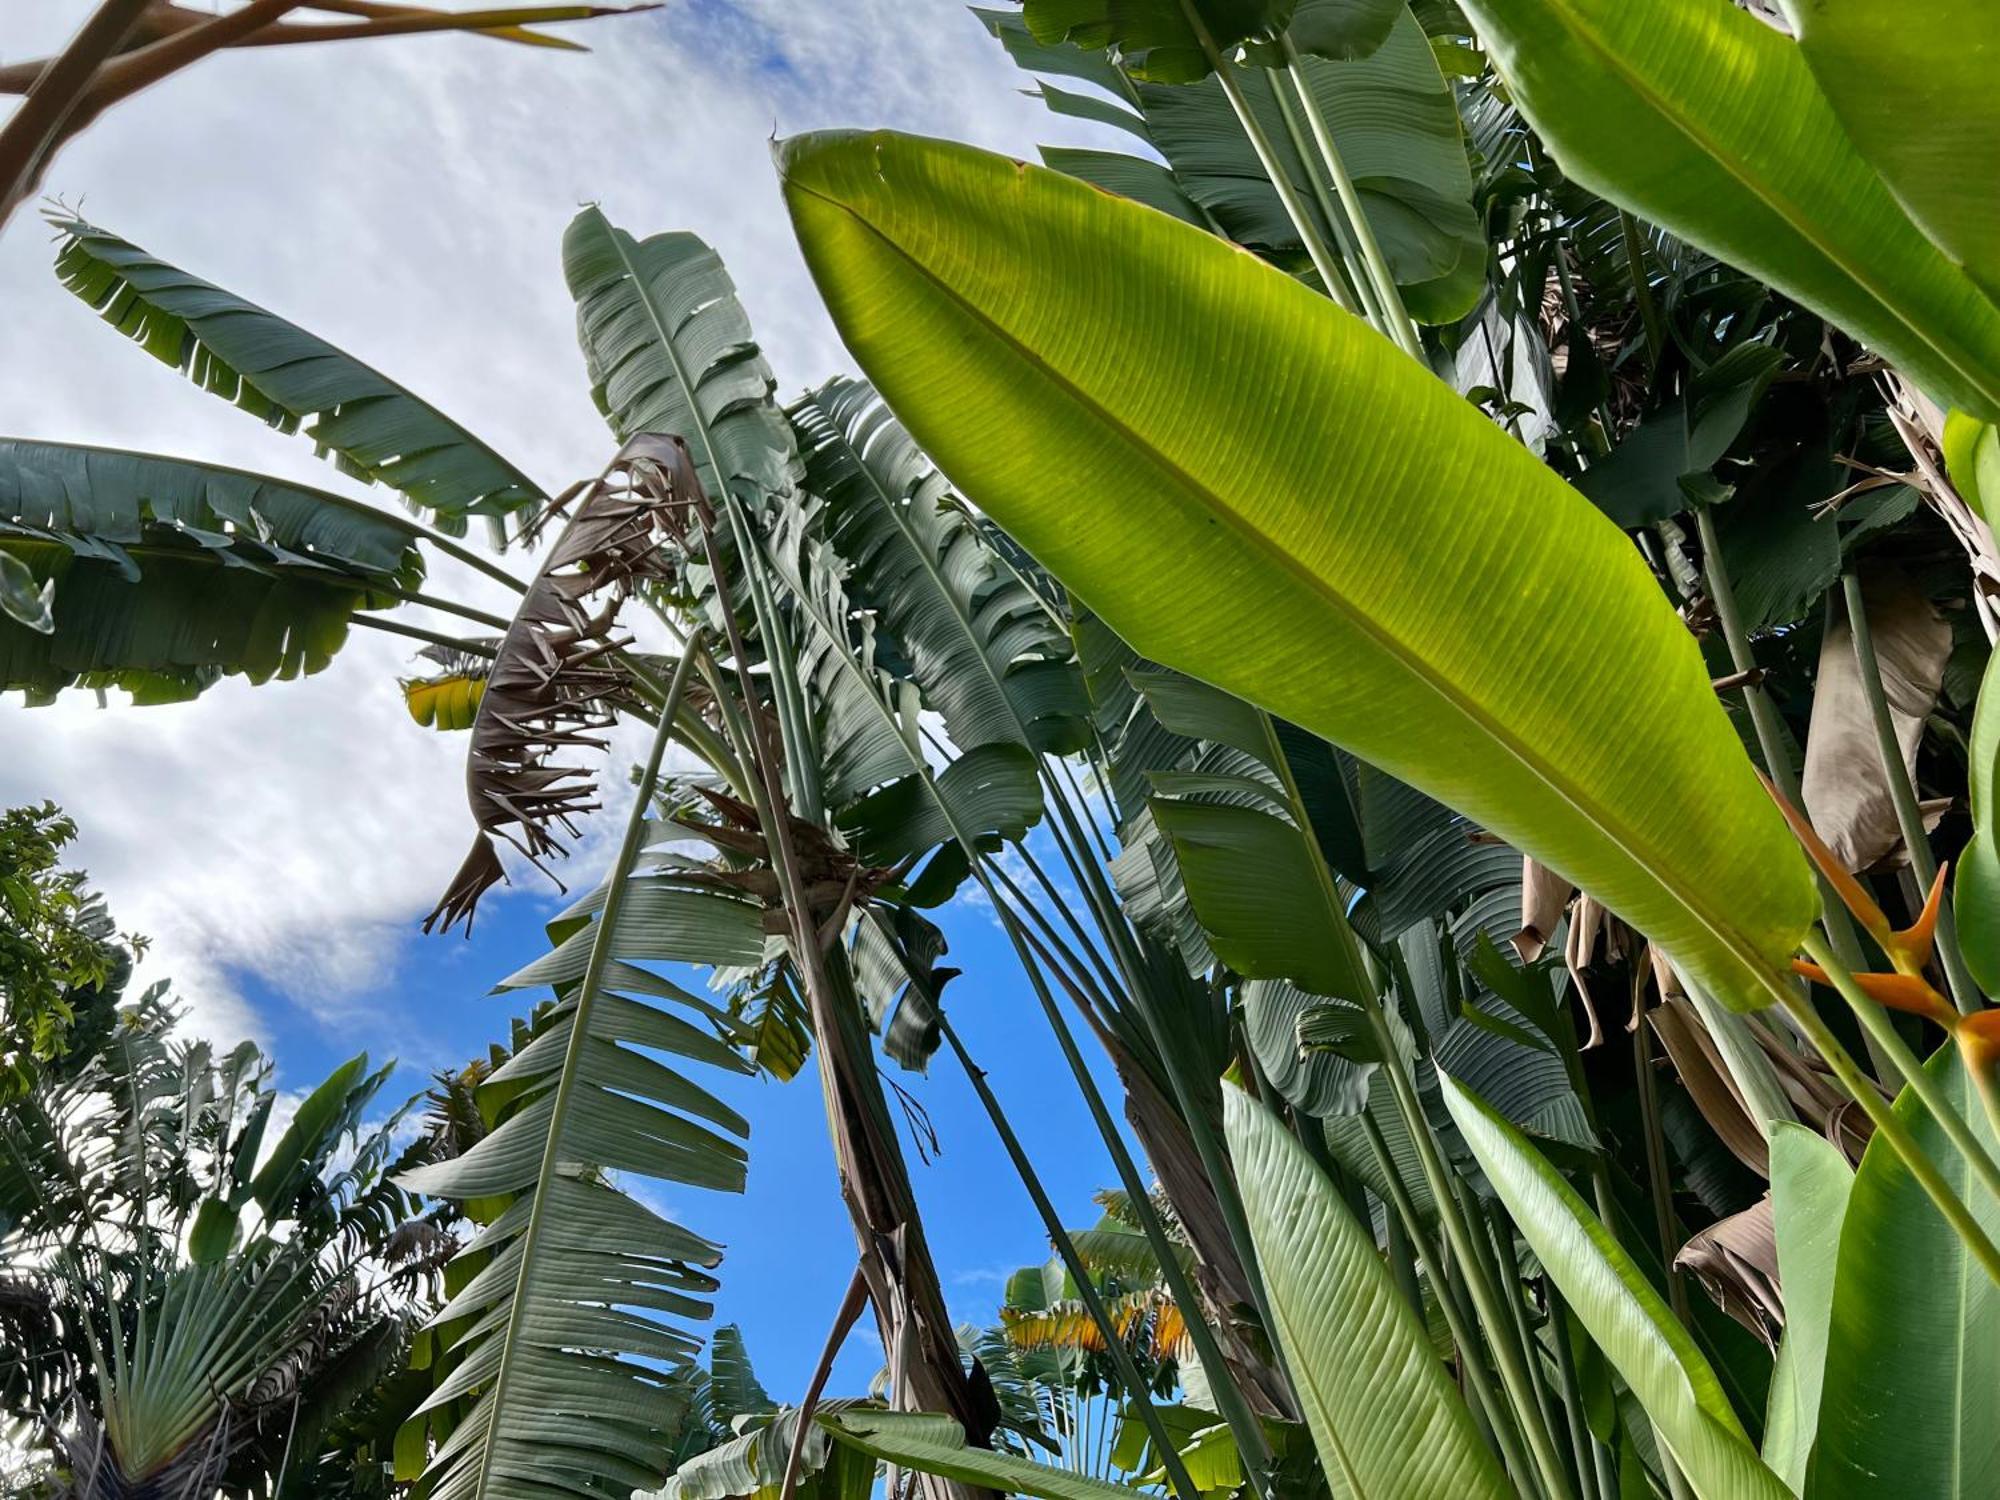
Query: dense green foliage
(1367, 547)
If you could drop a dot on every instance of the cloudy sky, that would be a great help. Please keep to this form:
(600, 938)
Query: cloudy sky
(406, 200)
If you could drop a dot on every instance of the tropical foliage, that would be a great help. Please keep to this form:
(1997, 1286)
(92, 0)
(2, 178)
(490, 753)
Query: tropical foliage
(1345, 671)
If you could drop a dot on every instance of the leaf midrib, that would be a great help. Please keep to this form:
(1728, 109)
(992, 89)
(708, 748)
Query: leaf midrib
(1257, 541)
(897, 518)
(85, 237)
(1799, 223)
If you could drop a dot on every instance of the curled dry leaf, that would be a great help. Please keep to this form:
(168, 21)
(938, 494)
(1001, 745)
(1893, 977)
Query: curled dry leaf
(555, 680)
(1736, 1261)
(1594, 930)
(1845, 787)
(1544, 897)
(1702, 1071)
(1818, 1100)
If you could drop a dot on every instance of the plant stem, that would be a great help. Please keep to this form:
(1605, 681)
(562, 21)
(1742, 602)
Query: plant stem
(1485, 1299)
(1656, 1168)
(1359, 289)
(1771, 740)
(1471, 1366)
(1903, 792)
(1583, 1448)
(1316, 248)
(1086, 1288)
(1887, 1121)
(1243, 1425)
(1507, 1264)
(418, 633)
(1397, 317)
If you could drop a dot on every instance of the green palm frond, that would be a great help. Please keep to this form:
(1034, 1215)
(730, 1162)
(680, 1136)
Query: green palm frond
(373, 428)
(168, 573)
(979, 642)
(578, 1286)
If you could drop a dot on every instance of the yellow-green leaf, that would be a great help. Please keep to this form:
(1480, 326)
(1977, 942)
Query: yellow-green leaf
(1253, 487)
(1700, 118)
(1913, 84)
(1384, 1414)
(444, 703)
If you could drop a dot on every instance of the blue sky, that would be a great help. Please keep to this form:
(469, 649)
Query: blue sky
(280, 844)
(789, 1245)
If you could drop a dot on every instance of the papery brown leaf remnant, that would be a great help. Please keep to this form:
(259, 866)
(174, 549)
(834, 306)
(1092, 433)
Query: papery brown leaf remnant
(1845, 786)
(556, 681)
(1736, 1261)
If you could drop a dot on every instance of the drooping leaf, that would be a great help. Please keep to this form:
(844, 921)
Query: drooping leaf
(1845, 784)
(375, 429)
(1619, 1308)
(1182, 487)
(552, 680)
(1383, 1411)
(1664, 107)
(175, 572)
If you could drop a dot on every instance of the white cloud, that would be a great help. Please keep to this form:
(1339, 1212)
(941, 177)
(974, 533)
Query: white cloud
(407, 201)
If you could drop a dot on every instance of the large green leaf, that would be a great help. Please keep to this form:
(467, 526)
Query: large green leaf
(1170, 381)
(979, 642)
(1666, 107)
(1383, 1411)
(99, 500)
(169, 573)
(577, 1289)
(1619, 1308)
(670, 350)
(1910, 1403)
(1810, 1185)
(280, 373)
(1913, 84)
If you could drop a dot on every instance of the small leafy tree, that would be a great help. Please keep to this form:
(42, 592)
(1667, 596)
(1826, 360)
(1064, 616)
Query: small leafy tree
(59, 952)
